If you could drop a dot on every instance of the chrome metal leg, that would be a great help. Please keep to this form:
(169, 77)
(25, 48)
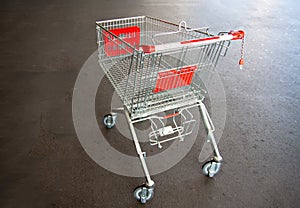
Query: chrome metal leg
(210, 129)
(142, 155)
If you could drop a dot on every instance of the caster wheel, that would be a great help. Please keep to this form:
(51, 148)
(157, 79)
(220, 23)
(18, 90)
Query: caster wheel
(143, 194)
(211, 168)
(109, 121)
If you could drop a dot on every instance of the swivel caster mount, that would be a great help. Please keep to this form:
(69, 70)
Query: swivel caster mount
(109, 120)
(143, 193)
(211, 168)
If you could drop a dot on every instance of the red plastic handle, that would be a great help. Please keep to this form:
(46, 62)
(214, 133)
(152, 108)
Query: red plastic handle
(232, 35)
(237, 35)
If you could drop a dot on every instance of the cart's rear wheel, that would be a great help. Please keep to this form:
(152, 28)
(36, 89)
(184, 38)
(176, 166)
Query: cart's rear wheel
(143, 194)
(109, 121)
(211, 168)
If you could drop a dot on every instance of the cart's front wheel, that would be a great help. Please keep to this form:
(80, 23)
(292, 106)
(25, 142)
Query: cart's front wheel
(143, 194)
(109, 121)
(211, 168)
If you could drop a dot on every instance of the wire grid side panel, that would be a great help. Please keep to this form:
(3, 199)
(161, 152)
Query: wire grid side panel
(144, 77)
(115, 58)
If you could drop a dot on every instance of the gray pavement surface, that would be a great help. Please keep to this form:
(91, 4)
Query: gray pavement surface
(42, 164)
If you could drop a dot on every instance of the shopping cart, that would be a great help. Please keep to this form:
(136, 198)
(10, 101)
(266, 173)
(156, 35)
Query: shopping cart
(155, 67)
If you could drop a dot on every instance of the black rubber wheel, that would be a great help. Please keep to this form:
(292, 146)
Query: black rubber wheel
(211, 168)
(109, 121)
(143, 194)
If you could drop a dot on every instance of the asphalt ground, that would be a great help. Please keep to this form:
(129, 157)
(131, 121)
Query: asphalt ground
(44, 44)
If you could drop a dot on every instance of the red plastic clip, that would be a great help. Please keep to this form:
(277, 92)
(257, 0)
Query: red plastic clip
(241, 63)
(237, 35)
(148, 48)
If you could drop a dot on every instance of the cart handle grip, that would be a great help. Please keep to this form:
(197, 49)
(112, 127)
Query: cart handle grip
(237, 35)
(232, 35)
